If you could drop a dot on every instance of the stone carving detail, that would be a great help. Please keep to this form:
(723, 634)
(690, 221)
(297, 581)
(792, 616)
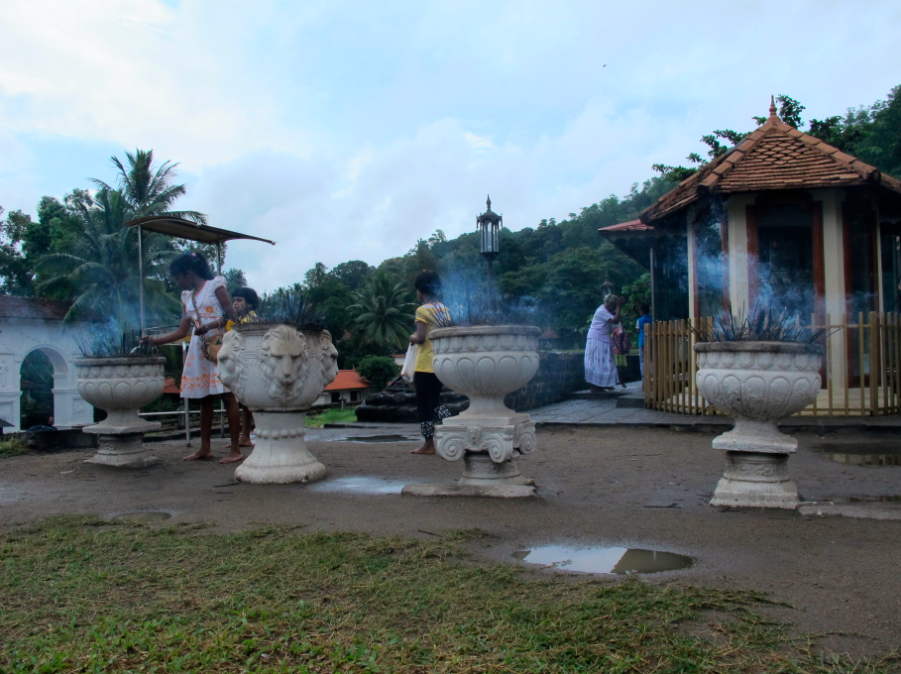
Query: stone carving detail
(486, 363)
(758, 383)
(121, 386)
(278, 372)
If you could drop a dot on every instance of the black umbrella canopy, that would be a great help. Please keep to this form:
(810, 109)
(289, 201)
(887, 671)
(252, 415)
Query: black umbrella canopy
(185, 229)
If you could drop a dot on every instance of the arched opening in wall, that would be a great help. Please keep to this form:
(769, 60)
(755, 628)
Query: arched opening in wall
(36, 384)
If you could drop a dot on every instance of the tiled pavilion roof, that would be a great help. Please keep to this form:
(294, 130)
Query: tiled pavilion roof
(774, 157)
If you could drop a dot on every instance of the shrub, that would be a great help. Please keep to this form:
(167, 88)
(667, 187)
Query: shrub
(378, 370)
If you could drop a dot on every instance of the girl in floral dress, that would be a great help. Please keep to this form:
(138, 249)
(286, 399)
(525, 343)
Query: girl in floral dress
(205, 311)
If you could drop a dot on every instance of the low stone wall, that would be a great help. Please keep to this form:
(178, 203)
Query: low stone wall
(559, 374)
(397, 404)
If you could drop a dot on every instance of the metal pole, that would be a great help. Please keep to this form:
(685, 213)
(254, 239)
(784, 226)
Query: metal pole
(219, 258)
(140, 276)
(490, 285)
(187, 404)
(653, 286)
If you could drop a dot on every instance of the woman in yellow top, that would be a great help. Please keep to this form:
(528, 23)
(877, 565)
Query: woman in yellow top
(432, 314)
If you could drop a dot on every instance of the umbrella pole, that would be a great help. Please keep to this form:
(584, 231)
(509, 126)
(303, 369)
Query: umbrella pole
(141, 275)
(219, 257)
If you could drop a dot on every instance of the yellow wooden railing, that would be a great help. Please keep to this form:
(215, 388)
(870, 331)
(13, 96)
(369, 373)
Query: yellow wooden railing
(861, 367)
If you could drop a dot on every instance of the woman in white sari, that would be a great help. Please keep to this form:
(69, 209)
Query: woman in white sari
(600, 365)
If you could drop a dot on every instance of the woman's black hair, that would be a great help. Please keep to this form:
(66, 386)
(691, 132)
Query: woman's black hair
(194, 262)
(428, 283)
(250, 296)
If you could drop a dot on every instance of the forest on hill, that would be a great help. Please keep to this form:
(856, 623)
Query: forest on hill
(549, 275)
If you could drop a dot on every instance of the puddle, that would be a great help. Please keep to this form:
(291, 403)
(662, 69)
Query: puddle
(623, 561)
(866, 459)
(143, 517)
(865, 499)
(380, 438)
(359, 485)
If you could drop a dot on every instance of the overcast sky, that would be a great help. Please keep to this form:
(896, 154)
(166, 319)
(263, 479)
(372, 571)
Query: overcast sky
(348, 130)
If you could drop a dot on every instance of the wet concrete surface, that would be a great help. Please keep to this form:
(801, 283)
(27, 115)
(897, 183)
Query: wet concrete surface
(620, 487)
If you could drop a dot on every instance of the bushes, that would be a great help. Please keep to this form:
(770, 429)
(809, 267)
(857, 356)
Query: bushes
(378, 370)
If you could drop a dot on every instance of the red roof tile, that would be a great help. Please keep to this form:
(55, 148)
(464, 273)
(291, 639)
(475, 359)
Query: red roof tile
(32, 307)
(631, 226)
(774, 157)
(347, 379)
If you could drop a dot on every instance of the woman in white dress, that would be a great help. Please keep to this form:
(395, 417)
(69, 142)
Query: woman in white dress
(600, 364)
(206, 309)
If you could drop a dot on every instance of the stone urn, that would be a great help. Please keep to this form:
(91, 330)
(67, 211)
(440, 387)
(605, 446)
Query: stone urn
(121, 386)
(485, 363)
(758, 383)
(278, 371)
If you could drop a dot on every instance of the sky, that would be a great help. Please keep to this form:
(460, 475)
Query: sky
(348, 129)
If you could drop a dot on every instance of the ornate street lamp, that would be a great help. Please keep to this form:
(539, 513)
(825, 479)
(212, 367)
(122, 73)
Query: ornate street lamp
(490, 224)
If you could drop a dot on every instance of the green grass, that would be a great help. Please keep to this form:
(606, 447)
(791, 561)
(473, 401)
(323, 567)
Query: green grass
(81, 595)
(332, 416)
(12, 447)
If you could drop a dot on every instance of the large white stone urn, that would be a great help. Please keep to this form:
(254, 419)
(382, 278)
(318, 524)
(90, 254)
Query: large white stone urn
(758, 383)
(485, 363)
(121, 386)
(278, 371)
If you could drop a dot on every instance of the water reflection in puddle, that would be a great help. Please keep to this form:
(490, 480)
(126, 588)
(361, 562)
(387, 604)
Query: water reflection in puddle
(359, 485)
(380, 438)
(143, 517)
(622, 561)
(866, 459)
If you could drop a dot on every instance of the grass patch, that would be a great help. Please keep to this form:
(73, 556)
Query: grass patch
(89, 596)
(12, 447)
(332, 416)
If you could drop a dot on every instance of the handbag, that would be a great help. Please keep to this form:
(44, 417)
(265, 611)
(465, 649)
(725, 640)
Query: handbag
(409, 369)
(209, 344)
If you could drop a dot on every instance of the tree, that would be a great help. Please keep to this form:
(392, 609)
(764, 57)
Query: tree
(382, 312)
(379, 371)
(353, 274)
(148, 191)
(234, 279)
(98, 269)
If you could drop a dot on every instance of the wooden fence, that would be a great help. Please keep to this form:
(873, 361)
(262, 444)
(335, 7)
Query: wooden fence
(861, 367)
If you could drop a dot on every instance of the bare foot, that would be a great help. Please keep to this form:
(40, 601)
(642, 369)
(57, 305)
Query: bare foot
(425, 449)
(245, 443)
(233, 456)
(200, 455)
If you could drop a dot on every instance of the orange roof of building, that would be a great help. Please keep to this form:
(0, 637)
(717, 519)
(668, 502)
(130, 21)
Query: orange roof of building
(774, 157)
(550, 333)
(347, 379)
(631, 226)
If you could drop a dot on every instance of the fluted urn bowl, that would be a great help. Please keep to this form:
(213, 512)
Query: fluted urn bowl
(121, 386)
(485, 363)
(758, 383)
(278, 371)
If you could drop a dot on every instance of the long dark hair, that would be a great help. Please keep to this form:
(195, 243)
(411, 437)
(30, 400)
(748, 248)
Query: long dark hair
(188, 262)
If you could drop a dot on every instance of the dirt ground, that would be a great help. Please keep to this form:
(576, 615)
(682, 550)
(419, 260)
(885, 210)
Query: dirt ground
(645, 488)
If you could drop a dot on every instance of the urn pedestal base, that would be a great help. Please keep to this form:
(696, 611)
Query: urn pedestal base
(756, 480)
(755, 436)
(280, 455)
(124, 450)
(489, 448)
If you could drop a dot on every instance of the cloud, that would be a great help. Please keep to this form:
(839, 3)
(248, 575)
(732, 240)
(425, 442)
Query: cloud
(347, 129)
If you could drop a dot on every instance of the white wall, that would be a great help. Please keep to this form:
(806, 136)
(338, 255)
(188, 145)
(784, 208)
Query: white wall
(18, 338)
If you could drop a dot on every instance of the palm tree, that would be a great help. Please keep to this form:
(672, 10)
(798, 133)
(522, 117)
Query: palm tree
(98, 268)
(383, 313)
(149, 191)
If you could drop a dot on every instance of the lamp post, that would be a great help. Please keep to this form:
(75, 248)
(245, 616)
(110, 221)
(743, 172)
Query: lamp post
(489, 224)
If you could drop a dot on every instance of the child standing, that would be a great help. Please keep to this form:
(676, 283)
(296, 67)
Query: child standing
(644, 319)
(205, 310)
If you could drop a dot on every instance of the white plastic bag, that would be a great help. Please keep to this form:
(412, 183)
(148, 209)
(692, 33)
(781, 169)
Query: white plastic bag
(409, 368)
